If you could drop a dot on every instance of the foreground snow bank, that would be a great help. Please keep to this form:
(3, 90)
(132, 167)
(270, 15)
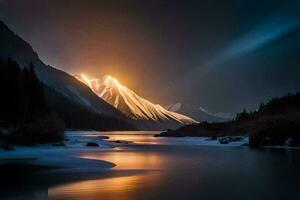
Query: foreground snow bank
(62, 157)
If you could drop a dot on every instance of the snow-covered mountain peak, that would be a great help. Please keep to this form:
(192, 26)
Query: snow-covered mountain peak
(127, 101)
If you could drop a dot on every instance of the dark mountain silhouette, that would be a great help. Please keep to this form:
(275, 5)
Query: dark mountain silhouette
(63, 86)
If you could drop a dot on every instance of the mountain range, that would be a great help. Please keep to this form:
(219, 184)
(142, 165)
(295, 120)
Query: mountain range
(200, 113)
(72, 99)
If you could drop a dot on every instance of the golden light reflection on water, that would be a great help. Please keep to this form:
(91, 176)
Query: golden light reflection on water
(123, 187)
(142, 137)
(115, 188)
(130, 160)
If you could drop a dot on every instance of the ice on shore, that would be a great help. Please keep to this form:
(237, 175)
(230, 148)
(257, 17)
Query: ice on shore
(208, 141)
(64, 158)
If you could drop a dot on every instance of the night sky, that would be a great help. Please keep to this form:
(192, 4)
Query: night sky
(220, 55)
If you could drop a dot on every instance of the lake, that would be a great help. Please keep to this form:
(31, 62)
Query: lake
(168, 168)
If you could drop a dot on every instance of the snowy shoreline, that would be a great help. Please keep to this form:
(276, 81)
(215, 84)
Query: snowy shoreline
(63, 158)
(208, 141)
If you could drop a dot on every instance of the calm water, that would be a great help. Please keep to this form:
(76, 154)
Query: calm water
(163, 168)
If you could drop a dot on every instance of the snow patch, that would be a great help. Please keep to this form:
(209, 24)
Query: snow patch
(206, 141)
(65, 158)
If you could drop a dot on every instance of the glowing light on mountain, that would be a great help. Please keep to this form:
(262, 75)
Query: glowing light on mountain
(127, 101)
(86, 80)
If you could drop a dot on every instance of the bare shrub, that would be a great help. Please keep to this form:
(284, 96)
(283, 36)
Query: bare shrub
(47, 129)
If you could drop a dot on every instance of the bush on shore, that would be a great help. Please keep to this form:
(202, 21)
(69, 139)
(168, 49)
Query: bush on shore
(46, 129)
(275, 130)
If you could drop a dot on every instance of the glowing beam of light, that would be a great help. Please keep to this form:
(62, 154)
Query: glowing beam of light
(265, 33)
(272, 28)
(86, 80)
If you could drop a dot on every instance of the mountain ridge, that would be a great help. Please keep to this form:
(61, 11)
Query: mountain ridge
(199, 114)
(130, 103)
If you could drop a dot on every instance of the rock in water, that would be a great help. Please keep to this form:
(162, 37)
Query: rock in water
(92, 144)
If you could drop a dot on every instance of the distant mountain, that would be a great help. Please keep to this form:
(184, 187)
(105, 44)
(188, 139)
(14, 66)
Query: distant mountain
(200, 113)
(127, 101)
(68, 88)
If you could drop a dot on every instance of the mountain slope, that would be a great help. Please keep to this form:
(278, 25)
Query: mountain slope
(126, 100)
(77, 116)
(62, 83)
(200, 113)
